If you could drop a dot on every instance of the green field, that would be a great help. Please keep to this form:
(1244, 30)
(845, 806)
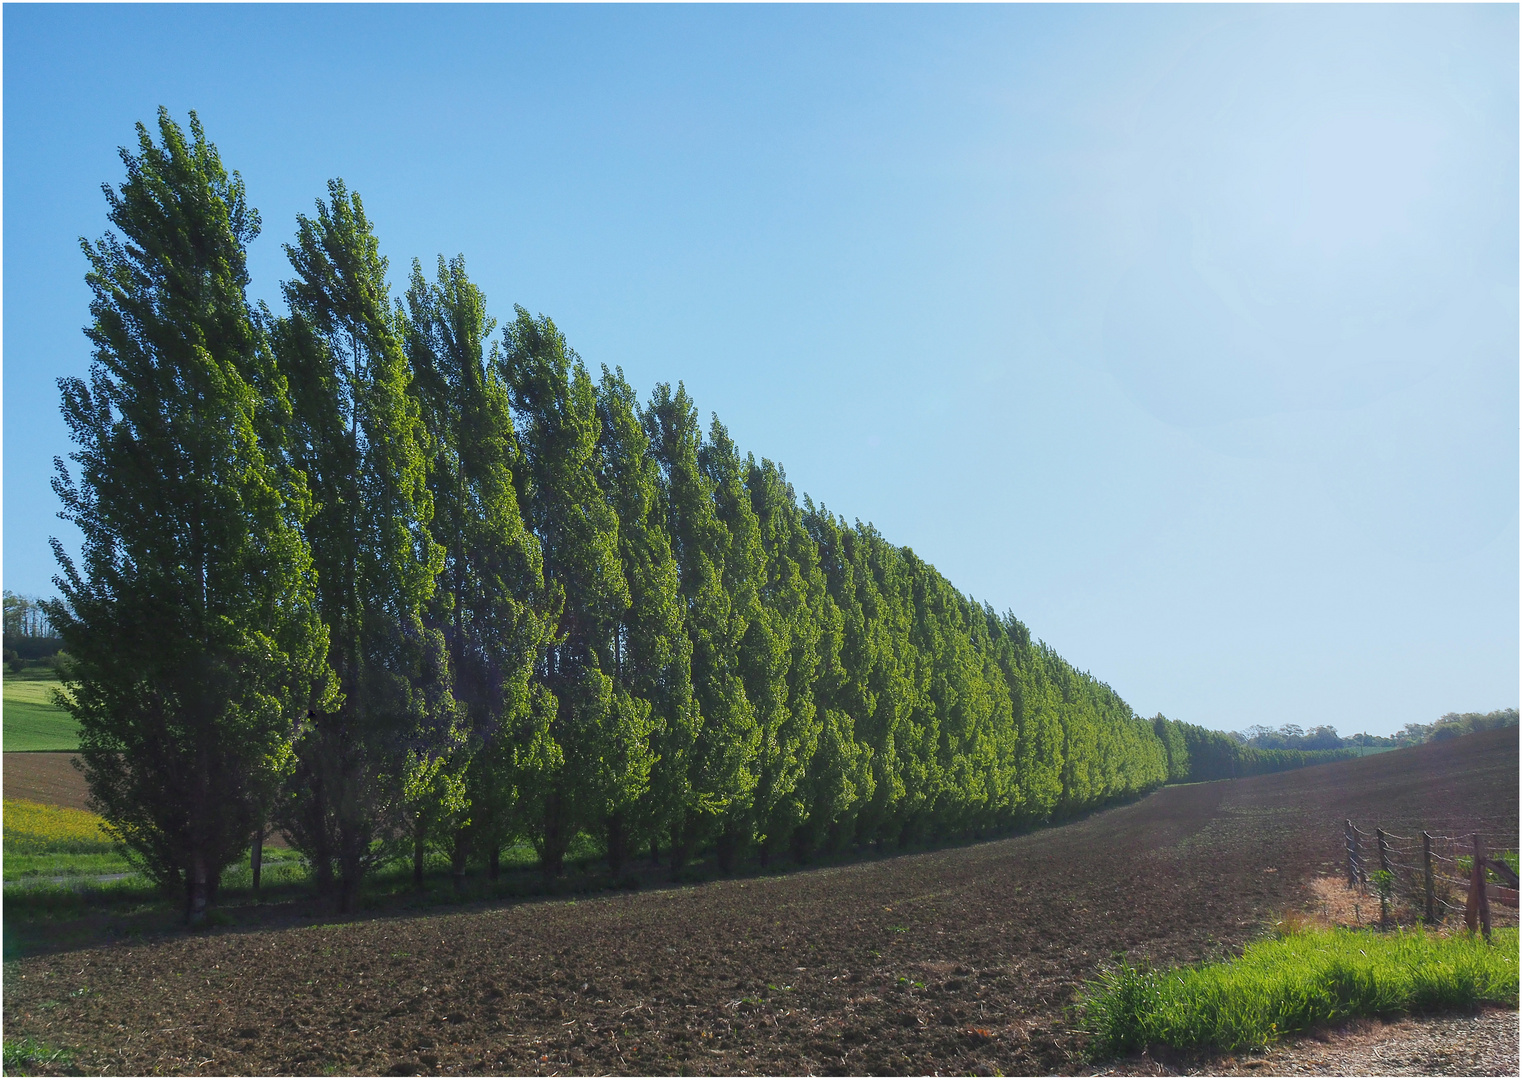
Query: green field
(32, 721)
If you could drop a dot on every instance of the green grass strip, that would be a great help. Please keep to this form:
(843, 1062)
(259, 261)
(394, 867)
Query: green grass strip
(22, 1055)
(1291, 983)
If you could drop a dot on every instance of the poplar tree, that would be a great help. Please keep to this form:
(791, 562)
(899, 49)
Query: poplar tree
(487, 600)
(720, 776)
(193, 640)
(652, 656)
(792, 599)
(357, 434)
(594, 756)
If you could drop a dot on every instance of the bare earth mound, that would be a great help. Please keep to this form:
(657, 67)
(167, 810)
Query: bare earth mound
(956, 961)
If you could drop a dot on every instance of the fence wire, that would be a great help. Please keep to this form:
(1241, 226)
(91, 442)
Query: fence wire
(1397, 869)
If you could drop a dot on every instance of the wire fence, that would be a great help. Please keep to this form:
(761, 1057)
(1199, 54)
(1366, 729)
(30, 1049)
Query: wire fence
(1434, 875)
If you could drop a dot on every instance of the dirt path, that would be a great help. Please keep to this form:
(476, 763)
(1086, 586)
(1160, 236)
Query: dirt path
(963, 960)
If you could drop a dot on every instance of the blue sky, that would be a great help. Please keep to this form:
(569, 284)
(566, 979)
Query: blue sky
(1189, 334)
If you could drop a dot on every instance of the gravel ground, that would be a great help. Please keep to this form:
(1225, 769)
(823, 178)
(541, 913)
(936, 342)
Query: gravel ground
(1482, 1043)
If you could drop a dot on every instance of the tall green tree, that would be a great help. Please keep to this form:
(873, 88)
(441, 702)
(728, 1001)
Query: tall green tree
(720, 759)
(595, 756)
(782, 655)
(652, 656)
(489, 597)
(358, 436)
(195, 645)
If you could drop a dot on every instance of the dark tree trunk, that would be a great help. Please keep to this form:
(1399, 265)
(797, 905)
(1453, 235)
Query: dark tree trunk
(681, 846)
(256, 857)
(655, 852)
(494, 863)
(617, 843)
(351, 852)
(457, 860)
(418, 851)
(555, 840)
(725, 850)
(319, 837)
(196, 892)
(803, 844)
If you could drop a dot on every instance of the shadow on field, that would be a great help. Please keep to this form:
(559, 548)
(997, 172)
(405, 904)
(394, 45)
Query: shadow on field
(66, 916)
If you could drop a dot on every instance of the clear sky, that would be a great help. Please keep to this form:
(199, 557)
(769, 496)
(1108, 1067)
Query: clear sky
(1189, 334)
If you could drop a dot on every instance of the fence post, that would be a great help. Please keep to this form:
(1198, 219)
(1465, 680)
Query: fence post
(1386, 880)
(1350, 837)
(1431, 907)
(1478, 879)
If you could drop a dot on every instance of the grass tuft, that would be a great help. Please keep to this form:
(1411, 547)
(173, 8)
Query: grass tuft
(1289, 983)
(21, 1055)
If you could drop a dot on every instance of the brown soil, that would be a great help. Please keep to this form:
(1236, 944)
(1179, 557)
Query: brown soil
(45, 778)
(962, 960)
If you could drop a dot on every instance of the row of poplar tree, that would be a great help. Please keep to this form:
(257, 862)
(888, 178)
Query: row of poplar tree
(374, 575)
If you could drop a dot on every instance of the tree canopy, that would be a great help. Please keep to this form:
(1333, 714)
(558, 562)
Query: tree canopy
(374, 573)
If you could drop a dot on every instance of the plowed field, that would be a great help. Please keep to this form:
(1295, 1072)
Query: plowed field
(46, 778)
(962, 960)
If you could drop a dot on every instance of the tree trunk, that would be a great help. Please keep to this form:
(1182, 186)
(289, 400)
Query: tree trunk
(256, 856)
(351, 851)
(494, 863)
(655, 852)
(725, 849)
(555, 840)
(196, 892)
(617, 843)
(321, 838)
(803, 844)
(681, 846)
(418, 851)
(457, 860)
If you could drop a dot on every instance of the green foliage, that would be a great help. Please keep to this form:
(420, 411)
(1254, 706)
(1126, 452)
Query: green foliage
(594, 757)
(358, 437)
(190, 625)
(1215, 755)
(490, 593)
(467, 596)
(23, 1055)
(1452, 725)
(1286, 985)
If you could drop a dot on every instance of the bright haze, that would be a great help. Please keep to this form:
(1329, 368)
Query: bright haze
(1188, 334)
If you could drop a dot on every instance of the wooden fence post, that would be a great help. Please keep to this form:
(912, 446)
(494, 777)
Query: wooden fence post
(1386, 880)
(1477, 879)
(1430, 912)
(1350, 837)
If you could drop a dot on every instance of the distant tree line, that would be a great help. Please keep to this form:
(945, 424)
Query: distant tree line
(1325, 737)
(1195, 754)
(372, 573)
(28, 631)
